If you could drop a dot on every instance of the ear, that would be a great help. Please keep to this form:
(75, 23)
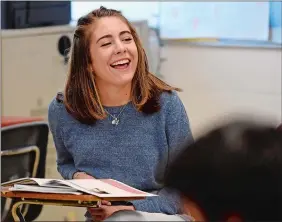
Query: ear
(234, 218)
(90, 68)
(193, 209)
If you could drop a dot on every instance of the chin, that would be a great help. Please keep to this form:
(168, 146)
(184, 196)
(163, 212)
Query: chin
(123, 78)
(124, 81)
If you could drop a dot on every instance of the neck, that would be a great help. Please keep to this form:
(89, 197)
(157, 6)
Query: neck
(115, 96)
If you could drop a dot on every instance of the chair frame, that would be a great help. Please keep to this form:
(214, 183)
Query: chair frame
(15, 152)
(18, 151)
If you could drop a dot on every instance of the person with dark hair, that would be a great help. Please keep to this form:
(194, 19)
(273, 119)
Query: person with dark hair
(232, 172)
(279, 127)
(117, 120)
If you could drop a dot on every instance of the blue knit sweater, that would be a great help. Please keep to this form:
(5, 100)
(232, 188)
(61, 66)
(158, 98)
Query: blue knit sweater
(136, 151)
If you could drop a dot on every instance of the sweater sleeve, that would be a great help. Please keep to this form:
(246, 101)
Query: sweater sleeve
(65, 164)
(177, 130)
(177, 127)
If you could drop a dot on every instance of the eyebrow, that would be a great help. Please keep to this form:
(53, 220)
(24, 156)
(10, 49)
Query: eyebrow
(110, 36)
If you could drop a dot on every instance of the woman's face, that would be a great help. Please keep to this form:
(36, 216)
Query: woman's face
(113, 52)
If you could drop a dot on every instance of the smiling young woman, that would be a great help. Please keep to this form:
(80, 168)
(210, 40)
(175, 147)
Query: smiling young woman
(116, 119)
(108, 62)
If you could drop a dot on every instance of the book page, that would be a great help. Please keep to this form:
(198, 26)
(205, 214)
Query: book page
(39, 189)
(108, 188)
(96, 187)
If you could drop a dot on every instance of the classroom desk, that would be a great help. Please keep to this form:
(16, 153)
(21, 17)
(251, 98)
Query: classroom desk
(14, 120)
(53, 199)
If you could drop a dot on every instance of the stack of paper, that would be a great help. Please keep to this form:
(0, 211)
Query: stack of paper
(96, 187)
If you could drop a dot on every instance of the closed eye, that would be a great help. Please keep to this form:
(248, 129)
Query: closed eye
(127, 39)
(105, 44)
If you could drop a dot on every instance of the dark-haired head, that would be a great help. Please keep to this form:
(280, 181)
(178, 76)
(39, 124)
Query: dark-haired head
(235, 169)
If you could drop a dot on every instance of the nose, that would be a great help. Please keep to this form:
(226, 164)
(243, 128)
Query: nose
(120, 47)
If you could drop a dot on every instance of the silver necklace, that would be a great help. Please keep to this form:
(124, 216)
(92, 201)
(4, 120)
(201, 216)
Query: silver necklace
(115, 120)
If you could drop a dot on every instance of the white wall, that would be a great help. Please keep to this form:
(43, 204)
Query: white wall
(220, 81)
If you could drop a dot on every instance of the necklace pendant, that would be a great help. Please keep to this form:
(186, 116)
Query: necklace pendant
(115, 121)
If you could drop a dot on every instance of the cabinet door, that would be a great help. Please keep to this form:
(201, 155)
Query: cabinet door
(33, 71)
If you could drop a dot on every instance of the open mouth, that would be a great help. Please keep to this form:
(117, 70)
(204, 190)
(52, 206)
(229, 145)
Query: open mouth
(121, 64)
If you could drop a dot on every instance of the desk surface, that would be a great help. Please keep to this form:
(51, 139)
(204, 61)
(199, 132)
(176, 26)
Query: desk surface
(60, 197)
(14, 120)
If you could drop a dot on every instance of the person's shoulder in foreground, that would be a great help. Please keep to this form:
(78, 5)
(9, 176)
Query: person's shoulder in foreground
(233, 170)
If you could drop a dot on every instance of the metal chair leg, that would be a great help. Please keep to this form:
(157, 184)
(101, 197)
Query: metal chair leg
(16, 212)
(19, 214)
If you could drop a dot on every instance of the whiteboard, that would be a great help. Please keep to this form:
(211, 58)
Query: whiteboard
(231, 20)
(133, 11)
(187, 20)
(276, 22)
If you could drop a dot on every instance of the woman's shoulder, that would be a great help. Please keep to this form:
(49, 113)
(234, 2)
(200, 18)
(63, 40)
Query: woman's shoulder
(56, 107)
(171, 103)
(169, 98)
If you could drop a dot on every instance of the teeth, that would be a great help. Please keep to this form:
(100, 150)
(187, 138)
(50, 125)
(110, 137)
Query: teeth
(121, 62)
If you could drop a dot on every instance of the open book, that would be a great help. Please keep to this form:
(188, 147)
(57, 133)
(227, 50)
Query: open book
(97, 187)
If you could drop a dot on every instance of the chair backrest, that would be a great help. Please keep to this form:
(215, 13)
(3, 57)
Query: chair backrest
(23, 154)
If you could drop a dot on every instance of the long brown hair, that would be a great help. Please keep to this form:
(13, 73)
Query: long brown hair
(81, 96)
